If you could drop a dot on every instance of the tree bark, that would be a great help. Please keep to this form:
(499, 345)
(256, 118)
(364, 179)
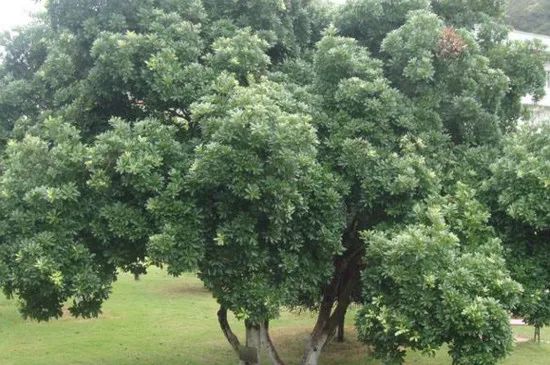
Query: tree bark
(339, 291)
(251, 354)
(228, 333)
(341, 326)
(326, 324)
(226, 329)
(313, 348)
(537, 334)
(257, 338)
(269, 346)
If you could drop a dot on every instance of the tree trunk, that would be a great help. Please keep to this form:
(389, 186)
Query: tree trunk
(226, 329)
(268, 345)
(257, 338)
(326, 324)
(339, 292)
(314, 347)
(537, 334)
(228, 333)
(341, 325)
(251, 353)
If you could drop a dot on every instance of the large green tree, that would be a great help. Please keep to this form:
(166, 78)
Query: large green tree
(521, 183)
(292, 163)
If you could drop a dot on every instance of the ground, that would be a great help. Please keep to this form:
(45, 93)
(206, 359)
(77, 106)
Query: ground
(172, 321)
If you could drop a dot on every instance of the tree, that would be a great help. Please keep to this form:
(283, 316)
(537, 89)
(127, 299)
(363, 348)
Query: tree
(389, 143)
(440, 279)
(91, 60)
(46, 254)
(270, 207)
(521, 182)
(238, 140)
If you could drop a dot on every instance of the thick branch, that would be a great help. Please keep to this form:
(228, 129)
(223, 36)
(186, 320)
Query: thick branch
(338, 292)
(340, 329)
(226, 329)
(180, 113)
(269, 346)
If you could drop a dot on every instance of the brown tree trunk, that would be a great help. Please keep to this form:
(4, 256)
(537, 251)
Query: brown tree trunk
(327, 321)
(268, 345)
(537, 334)
(226, 329)
(341, 326)
(339, 291)
(228, 333)
(325, 326)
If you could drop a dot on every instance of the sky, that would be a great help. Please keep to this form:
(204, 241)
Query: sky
(16, 12)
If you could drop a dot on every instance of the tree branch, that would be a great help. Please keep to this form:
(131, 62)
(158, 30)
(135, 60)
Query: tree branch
(226, 329)
(269, 346)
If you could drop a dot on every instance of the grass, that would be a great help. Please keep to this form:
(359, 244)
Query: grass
(169, 321)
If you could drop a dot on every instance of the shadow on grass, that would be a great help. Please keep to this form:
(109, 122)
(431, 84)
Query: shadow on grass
(179, 287)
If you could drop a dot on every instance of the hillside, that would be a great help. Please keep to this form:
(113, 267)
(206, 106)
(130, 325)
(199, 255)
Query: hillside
(530, 15)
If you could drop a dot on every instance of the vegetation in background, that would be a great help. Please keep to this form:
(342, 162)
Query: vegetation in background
(530, 15)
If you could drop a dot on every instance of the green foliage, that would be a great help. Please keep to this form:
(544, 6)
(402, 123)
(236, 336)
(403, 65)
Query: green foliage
(468, 13)
(442, 68)
(440, 279)
(289, 26)
(47, 258)
(271, 212)
(253, 142)
(130, 171)
(369, 21)
(530, 15)
(521, 61)
(92, 60)
(522, 175)
(243, 55)
(339, 58)
(521, 180)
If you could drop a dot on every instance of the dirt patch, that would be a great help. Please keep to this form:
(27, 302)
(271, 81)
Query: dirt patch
(291, 340)
(521, 339)
(181, 288)
(67, 316)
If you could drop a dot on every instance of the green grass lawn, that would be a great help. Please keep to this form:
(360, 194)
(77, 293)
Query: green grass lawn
(167, 321)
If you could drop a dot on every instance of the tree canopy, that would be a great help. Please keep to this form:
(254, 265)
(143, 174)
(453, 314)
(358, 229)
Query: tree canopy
(294, 154)
(521, 181)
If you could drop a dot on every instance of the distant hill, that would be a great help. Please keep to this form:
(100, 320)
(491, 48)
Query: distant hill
(530, 15)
